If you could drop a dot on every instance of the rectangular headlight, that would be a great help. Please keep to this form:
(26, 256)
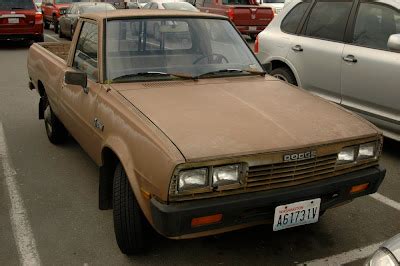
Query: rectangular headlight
(226, 175)
(193, 179)
(367, 150)
(347, 155)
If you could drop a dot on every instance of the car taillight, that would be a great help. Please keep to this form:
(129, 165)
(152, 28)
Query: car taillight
(38, 18)
(231, 13)
(256, 45)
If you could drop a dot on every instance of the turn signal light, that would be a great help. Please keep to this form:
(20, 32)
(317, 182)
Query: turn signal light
(231, 13)
(38, 18)
(359, 188)
(256, 43)
(205, 220)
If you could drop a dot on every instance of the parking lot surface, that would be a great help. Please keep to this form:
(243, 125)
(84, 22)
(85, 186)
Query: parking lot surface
(58, 188)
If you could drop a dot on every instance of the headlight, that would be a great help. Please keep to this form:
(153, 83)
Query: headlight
(226, 175)
(347, 155)
(366, 151)
(192, 179)
(381, 257)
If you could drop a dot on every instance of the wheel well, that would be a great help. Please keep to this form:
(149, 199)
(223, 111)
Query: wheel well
(110, 161)
(41, 89)
(276, 64)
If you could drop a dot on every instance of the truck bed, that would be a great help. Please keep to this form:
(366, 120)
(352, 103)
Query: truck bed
(60, 49)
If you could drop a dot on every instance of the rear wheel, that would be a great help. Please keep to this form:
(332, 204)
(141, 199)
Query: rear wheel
(284, 74)
(39, 38)
(130, 225)
(60, 33)
(55, 24)
(253, 37)
(55, 130)
(46, 24)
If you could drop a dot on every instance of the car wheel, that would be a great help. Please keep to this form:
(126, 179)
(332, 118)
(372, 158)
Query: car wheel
(39, 38)
(129, 221)
(72, 33)
(60, 33)
(253, 37)
(55, 24)
(46, 24)
(55, 130)
(284, 74)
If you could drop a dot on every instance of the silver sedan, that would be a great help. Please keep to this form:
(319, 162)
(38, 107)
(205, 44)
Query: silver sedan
(343, 50)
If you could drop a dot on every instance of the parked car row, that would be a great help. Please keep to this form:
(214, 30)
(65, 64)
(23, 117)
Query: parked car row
(345, 51)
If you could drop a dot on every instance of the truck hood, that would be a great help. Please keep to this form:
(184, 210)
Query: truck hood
(214, 118)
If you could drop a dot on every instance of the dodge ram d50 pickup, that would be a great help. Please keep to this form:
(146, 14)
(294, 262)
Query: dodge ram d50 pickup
(189, 133)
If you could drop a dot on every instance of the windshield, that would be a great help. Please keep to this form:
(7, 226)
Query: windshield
(236, 2)
(14, 5)
(96, 8)
(67, 1)
(186, 46)
(179, 6)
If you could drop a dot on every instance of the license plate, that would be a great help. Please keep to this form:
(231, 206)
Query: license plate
(252, 28)
(295, 214)
(13, 20)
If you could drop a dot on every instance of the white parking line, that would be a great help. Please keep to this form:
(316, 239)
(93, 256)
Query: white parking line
(23, 236)
(51, 37)
(345, 257)
(386, 201)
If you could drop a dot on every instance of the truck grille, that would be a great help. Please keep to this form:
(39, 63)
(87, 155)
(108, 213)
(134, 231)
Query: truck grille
(281, 174)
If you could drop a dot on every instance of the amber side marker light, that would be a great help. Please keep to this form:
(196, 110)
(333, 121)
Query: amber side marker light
(359, 188)
(211, 219)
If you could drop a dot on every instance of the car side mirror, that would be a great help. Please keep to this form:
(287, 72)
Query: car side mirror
(394, 43)
(77, 78)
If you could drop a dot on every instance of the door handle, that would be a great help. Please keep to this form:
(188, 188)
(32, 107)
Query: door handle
(297, 48)
(350, 59)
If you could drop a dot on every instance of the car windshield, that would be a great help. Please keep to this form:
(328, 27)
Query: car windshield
(67, 1)
(179, 6)
(236, 2)
(96, 8)
(144, 49)
(15, 5)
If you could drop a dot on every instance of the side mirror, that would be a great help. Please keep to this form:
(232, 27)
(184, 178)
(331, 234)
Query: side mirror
(76, 78)
(394, 43)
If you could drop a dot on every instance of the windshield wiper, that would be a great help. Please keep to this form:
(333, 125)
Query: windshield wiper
(231, 70)
(153, 73)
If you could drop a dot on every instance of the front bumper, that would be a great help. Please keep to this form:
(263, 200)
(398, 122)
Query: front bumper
(174, 220)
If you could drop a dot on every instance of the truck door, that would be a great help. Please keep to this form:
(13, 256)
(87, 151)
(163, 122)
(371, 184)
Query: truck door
(79, 104)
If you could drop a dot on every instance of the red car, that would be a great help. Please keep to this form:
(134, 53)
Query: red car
(20, 20)
(52, 11)
(248, 17)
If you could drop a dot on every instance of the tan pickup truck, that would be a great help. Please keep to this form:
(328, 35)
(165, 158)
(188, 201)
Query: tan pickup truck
(189, 133)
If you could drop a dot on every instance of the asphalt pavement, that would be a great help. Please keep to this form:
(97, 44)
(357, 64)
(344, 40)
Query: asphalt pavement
(58, 191)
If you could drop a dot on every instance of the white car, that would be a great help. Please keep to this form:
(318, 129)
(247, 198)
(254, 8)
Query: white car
(343, 50)
(276, 5)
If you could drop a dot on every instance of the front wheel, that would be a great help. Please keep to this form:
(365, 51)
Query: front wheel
(129, 222)
(284, 74)
(46, 24)
(55, 24)
(55, 130)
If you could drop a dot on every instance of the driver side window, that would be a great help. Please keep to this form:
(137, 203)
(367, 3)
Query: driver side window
(86, 53)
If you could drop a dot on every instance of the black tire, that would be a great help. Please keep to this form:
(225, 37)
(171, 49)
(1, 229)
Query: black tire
(56, 132)
(55, 24)
(130, 225)
(253, 37)
(40, 38)
(285, 74)
(71, 33)
(46, 24)
(60, 33)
